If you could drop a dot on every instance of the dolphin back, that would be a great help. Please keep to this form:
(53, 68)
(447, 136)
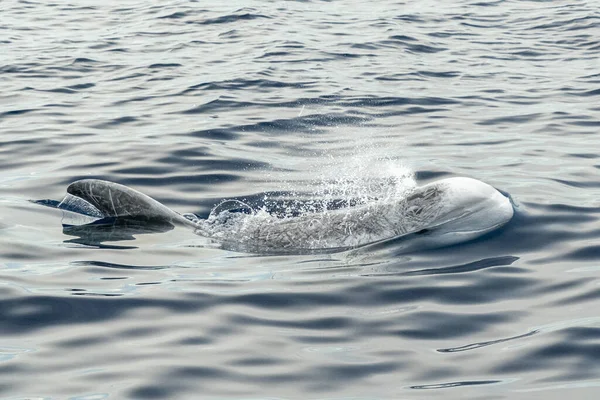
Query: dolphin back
(119, 201)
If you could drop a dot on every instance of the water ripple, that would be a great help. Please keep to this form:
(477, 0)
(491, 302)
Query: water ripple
(195, 103)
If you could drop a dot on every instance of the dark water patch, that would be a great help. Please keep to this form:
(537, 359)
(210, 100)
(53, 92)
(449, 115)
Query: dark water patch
(564, 347)
(128, 76)
(573, 24)
(114, 230)
(448, 385)
(559, 287)
(583, 333)
(478, 291)
(584, 155)
(193, 152)
(17, 69)
(139, 332)
(410, 111)
(195, 341)
(528, 54)
(141, 170)
(465, 268)
(104, 45)
(345, 372)
(203, 161)
(24, 314)
(320, 339)
(587, 296)
(81, 342)
(365, 46)
(587, 253)
(190, 179)
(566, 210)
(216, 105)
(22, 253)
(595, 123)
(404, 38)
(409, 45)
(275, 54)
(488, 143)
(297, 301)
(421, 48)
(409, 18)
(215, 134)
(175, 15)
(513, 119)
(97, 294)
(16, 112)
(309, 124)
(487, 3)
(247, 84)
(435, 325)
(396, 101)
(159, 391)
(480, 25)
(101, 165)
(81, 86)
(137, 99)
(58, 90)
(578, 184)
(446, 74)
(347, 55)
(232, 34)
(199, 373)
(321, 324)
(164, 65)
(78, 8)
(257, 362)
(587, 93)
(232, 18)
(115, 122)
(104, 264)
(83, 60)
(478, 345)
(450, 34)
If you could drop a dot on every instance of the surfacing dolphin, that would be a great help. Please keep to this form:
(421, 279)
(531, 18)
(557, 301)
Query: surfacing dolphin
(447, 211)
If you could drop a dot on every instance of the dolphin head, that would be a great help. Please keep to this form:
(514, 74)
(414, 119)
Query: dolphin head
(462, 209)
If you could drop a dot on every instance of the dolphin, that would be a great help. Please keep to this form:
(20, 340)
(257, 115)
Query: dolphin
(440, 213)
(112, 200)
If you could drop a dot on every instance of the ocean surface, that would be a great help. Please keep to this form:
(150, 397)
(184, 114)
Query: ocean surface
(196, 102)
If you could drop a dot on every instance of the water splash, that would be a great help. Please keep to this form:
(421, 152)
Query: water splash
(346, 204)
(358, 178)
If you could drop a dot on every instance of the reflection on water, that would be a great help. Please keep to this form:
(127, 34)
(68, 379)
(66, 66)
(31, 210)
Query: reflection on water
(194, 103)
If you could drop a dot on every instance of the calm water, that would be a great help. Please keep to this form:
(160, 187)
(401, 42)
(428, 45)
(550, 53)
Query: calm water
(194, 102)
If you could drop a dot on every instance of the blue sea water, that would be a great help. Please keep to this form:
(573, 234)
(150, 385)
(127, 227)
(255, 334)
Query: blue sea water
(195, 102)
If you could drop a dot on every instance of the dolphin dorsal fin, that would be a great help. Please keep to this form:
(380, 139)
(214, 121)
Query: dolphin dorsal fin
(119, 201)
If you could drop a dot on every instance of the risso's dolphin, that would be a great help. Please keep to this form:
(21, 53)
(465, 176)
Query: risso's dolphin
(446, 212)
(112, 200)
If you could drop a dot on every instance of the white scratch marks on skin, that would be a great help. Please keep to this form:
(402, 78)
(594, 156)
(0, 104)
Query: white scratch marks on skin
(111, 202)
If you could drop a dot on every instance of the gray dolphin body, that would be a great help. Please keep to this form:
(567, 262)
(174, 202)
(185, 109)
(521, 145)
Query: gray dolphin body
(449, 211)
(118, 201)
